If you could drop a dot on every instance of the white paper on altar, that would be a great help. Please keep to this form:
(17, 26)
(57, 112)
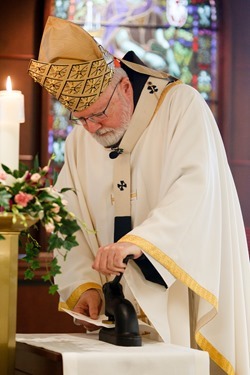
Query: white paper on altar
(144, 328)
(84, 354)
(98, 322)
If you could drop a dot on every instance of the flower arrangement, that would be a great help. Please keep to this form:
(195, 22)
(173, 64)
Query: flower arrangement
(28, 194)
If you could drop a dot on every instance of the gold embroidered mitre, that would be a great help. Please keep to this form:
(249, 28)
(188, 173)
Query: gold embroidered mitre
(71, 66)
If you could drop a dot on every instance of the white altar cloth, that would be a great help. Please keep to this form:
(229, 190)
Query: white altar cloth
(84, 354)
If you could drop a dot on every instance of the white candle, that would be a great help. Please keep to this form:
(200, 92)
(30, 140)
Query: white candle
(11, 115)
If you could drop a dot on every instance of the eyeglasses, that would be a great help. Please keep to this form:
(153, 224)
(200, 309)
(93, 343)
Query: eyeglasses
(95, 117)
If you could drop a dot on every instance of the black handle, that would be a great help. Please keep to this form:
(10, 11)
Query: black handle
(118, 277)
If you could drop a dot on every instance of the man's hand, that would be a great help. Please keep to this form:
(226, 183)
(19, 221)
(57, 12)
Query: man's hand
(109, 259)
(89, 304)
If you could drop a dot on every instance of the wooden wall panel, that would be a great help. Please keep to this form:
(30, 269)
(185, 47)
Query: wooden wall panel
(234, 50)
(37, 311)
(241, 173)
(21, 25)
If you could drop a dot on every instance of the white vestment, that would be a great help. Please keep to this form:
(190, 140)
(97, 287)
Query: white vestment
(186, 219)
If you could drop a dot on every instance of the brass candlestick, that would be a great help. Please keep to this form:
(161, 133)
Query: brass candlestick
(8, 288)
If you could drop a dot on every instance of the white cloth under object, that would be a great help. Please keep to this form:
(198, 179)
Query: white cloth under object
(84, 354)
(186, 219)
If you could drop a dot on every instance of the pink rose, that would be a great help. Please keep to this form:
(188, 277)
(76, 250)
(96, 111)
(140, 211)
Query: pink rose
(56, 208)
(3, 175)
(22, 199)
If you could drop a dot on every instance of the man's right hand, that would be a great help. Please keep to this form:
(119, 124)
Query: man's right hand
(89, 304)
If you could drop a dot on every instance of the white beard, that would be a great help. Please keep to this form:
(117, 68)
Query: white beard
(110, 136)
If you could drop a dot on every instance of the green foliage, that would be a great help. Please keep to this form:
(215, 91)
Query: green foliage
(4, 199)
(28, 194)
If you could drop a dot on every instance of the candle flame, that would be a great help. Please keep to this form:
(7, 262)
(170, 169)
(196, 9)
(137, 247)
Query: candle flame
(8, 84)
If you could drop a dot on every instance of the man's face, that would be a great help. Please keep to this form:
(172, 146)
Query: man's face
(108, 118)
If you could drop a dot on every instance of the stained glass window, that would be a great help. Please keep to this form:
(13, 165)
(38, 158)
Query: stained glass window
(188, 52)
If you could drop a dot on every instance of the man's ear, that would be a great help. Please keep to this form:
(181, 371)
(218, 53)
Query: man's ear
(126, 86)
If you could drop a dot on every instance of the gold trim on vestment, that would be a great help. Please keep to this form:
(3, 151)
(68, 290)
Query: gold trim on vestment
(164, 93)
(172, 267)
(186, 279)
(216, 356)
(133, 196)
(76, 294)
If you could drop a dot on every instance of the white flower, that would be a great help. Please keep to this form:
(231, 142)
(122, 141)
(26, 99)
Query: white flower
(64, 202)
(23, 178)
(57, 218)
(46, 169)
(35, 177)
(49, 227)
(53, 192)
(41, 215)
